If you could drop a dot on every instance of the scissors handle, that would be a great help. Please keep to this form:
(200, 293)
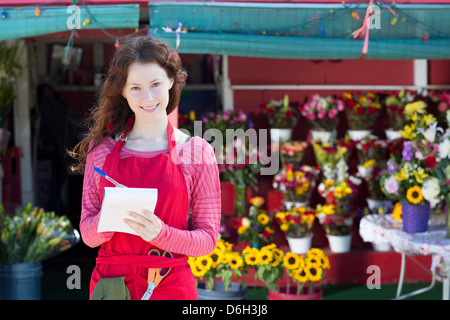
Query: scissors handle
(148, 293)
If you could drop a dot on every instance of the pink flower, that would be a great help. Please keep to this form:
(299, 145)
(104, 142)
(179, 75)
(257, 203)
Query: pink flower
(311, 116)
(391, 185)
(332, 113)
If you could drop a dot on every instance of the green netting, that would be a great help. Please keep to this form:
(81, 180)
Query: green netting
(309, 31)
(22, 22)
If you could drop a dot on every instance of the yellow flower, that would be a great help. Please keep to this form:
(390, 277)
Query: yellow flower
(412, 109)
(291, 261)
(204, 262)
(216, 257)
(284, 227)
(264, 256)
(277, 257)
(313, 271)
(236, 261)
(346, 96)
(409, 131)
(242, 229)
(427, 119)
(257, 201)
(414, 194)
(289, 175)
(299, 275)
(315, 252)
(362, 99)
(403, 174)
(250, 256)
(397, 212)
(420, 175)
(369, 163)
(263, 218)
(327, 209)
(192, 115)
(198, 272)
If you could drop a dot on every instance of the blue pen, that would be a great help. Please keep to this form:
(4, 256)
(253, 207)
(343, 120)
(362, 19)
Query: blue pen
(104, 175)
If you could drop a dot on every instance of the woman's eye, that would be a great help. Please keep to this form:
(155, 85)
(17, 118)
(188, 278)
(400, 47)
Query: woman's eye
(135, 88)
(156, 84)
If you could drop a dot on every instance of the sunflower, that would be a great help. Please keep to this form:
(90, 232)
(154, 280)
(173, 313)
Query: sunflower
(263, 218)
(264, 256)
(315, 252)
(397, 212)
(291, 261)
(414, 194)
(204, 262)
(198, 272)
(235, 261)
(299, 275)
(313, 271)
(277, 257)
(251, 256)
(216, 257)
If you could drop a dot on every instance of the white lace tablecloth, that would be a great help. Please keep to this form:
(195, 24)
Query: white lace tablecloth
(384, 229)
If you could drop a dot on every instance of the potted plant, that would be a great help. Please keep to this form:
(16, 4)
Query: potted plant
(322, 113)
(296, 184)
(361, 110)
(271, 264)
(395, 105)
(411, 180)
(292, 152)
(338, 189)
(28, 236)
(255, 228)
(223, 263)
(282, 118)
(330, 153)
(296, 223)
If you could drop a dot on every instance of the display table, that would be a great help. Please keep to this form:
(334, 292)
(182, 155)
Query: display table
(384, 229)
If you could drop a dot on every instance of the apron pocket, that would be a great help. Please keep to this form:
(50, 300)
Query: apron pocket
(111, 289)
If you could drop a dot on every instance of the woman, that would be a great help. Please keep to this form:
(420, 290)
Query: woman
(132, 140)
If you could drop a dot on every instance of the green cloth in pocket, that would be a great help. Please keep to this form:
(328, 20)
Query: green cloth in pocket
(111, 289)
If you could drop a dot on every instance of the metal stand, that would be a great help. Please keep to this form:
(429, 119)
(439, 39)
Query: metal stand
(444, 278)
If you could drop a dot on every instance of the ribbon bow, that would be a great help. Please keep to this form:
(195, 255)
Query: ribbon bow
(177, 32)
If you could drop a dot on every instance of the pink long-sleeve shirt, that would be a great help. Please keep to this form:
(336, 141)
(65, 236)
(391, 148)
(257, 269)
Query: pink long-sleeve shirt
(201, 173)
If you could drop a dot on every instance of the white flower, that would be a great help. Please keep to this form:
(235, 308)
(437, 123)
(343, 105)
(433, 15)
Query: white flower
(430, 132)
(431, 190)
(444, 149)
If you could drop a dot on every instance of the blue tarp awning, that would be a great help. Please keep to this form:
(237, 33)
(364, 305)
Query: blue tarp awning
(303, 31)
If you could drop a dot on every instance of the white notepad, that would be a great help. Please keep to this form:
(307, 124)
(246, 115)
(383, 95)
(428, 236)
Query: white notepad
(118, 201)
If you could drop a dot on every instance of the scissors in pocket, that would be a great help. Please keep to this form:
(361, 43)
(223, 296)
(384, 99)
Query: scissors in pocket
(155, 275)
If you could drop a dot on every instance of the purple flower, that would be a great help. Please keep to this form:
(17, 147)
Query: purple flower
(407, 153)
(391, 166)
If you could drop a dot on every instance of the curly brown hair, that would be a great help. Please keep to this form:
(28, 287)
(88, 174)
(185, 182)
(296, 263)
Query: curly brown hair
(111, 113)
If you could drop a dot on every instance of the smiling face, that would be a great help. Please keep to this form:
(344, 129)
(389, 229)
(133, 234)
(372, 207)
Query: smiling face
(147, 91)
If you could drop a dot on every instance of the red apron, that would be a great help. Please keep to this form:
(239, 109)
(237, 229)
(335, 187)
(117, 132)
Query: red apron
(126, 255)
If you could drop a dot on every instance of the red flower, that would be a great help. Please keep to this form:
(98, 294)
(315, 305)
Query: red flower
(430, 162)
(370, 110)
(289, 113)
(392, 107)
(359, 111)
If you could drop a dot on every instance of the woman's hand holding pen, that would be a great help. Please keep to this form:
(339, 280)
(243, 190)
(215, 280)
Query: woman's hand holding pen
(146, 225)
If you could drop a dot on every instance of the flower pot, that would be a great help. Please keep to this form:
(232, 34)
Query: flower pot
(300, 245)
(237, 292)
(415, 217)
(381, 247)
(317, 294)
(20, 281)
(322, 136)
(340, 243)
(295, 204)
(375, 205)
(358, 135)
(392, 134)
(278, 135)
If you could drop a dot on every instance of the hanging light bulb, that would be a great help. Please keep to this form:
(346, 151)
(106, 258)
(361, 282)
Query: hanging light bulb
(86, 22)
(425, 37)
(117, 44)
(4, 15)
(37, 12)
